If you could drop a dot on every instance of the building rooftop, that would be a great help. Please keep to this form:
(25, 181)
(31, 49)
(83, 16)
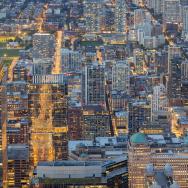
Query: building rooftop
(138, 138)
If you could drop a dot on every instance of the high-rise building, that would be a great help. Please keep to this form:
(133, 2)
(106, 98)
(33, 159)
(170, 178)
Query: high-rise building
(173, 52)
(74, 122)
(71, 60)
(174, 83)
(156, 5)
(139, 115)
(93, 15)
(185, 19)
(17, 113)
(93, 84)
(96, 122)
(42, 66)
(139, 62)
(21, 71)
(139, 17)
(120, 16)
(48, 116)
(163, 154)
(184, 82)
(159, 101)
(120, 76)
(43, 45)
(109, 18)
(171, 11)
(18, 165)
(120, 122)
(138, 149)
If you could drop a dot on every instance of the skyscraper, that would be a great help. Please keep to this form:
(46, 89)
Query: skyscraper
(17, 113)
(171, 11)
(156, 5)
(146, 149)
(159, 103)
(139, 115)
(173, 51)
(93, 84)
(120, 76)
(71, 60)
(185, 19)
(93, 14)
(174, 72)
(120, 16)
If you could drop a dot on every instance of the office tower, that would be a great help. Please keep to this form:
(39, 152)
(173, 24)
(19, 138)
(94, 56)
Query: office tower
(93, 84)
(171, 11)
(43, 45)
(74, 123)
(18, 165)
(155, 5)
(42, 66)
(96, 122)
(139, 16)
(174, 83)
(159, 100)
(120, 16)
(121, 76)
(71, 60)
(139, 115)
(119, 100)
(144, 150)
(48, 116)
(184, 2)
(185, 19)
(184, 82)
(22, 71)
(139, 62)
(138, 148)
(184, 70)
(109, 18)
(17, 113)
(74, 82)
(93, 10)
(120, 122)
(173, 51)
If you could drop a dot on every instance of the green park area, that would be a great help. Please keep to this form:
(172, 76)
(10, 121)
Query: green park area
(7, 62)
(3, 44)
(91, 43)
(9, 52)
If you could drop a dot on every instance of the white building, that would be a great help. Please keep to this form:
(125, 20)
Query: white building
(159, 101)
